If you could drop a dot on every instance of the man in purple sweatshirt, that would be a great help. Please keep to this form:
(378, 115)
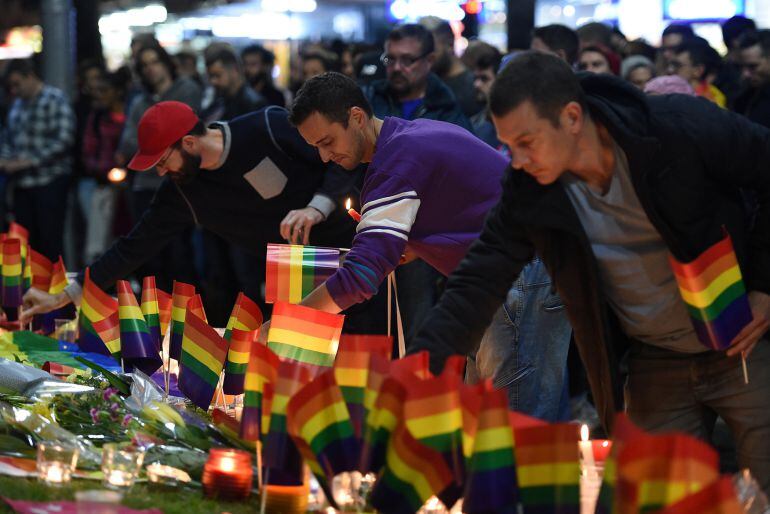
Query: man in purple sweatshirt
(427, 190)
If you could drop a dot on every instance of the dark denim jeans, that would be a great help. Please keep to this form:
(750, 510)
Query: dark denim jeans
(670, 391)
(525, 348)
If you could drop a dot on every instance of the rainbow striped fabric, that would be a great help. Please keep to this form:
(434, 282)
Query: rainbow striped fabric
(293, 271)
(19, 232)
(623, 431)
(246, 315)
(181, 294)
(201, 361)
(304, 335)
(151, 309)
(164, 311)
(41, 270)
(412, 474)
(713, 290)
(99, 322)
(58, 277)
(26, 279)
(318, 421)
(261, 371)
(718, 498)
(548, 468)
(11, 273)
(490, 486)
(137, 346)
(237, 360)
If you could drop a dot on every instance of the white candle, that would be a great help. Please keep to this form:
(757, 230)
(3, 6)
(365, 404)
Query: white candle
(54, 473)
(120, 478)
(586, 451)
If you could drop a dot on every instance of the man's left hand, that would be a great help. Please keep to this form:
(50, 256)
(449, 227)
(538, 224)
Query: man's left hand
(296, 226)
(745, 341)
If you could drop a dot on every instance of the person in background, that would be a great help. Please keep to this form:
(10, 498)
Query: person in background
(754, 100)
(638, 70)
(728, 80)
(97, 195)
(673, 36)
(598, 59)
(698, 63)
(484, 71)
(558, 40)
(641, 47)
(450, 68)
(36, 155)
(233, 97)
(595, 33)
(316, 62)
(187, 66)
(258, 64)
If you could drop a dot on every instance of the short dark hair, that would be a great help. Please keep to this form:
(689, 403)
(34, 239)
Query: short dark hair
(735, 27)
(164, 58)
(24, 67)
(490, 59)
(268, 57)
(226, 57)
(330, 94)
(414, 31)
(559, 37)
(595, 32)
(759, 37)
(542, 79)
(701, 54)
(327, 59)
(444, 33)
(683, 29)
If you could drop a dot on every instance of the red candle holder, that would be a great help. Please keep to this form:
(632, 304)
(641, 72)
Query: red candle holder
(601, 449)
(227, 474)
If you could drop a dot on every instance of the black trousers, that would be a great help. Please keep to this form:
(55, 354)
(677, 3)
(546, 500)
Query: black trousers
(42, 210)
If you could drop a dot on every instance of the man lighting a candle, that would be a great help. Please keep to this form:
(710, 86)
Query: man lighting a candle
(238, 179)
(428, 187)
(636, 206)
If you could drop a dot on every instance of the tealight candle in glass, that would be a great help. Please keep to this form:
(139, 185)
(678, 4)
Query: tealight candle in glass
(56, 462)
(227, 474)
(120, 465)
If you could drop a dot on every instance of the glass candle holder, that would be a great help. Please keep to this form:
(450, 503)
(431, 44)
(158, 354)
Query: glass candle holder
(120, 466)
(227, 474)
(56, 462)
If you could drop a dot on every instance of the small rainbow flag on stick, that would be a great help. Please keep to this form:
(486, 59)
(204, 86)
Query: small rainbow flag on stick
(99, 321)
(41, 270)
(19, 232)
(203, 356)
(164, 311)
(137, 346)
(305, 335)
(246, 315)
(262, 370)
(181, 294)
(293, 271)
(713, 290)
(11, 273)
(27, 268)
(58, 277)
(718, 498)
(151, 310)
(237, 360)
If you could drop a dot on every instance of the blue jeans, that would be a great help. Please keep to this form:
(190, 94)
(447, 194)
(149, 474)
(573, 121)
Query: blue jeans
(525, 348)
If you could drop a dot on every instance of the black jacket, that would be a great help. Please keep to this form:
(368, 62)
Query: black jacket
(687, 158)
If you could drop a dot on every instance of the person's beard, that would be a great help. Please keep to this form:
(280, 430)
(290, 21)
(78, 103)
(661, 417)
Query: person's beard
(191, 165)
(257, 79)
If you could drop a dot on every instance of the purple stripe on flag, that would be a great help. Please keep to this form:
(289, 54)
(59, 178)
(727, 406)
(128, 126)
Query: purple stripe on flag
(195, 388)
(719, 333)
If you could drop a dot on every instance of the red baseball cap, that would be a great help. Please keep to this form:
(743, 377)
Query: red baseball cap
(161, 126)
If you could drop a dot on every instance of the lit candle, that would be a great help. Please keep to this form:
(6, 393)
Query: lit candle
(54, 473)
(116, 175)
(120, 478)
(227, 474)
(586, 450)
(352, 211)
(159, 473)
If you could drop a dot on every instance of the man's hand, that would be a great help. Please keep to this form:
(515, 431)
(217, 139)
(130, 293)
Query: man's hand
(745, 341)
(296, 226)
(39, 302)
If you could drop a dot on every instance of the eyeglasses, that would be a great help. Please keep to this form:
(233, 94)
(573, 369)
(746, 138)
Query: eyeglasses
(406, 61)
(162, 162)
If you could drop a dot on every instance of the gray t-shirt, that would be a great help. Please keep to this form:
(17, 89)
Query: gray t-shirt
(633, 262)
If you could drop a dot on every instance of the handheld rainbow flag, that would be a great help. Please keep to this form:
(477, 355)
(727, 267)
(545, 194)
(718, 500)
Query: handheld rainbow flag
(137, 347)
(262, 370)
(548, 468)
(151, 310)
(246, 315)
(713, 290)
(201, 360)
(304, 335)
(413, 473)
(58, 277)
(490, 487)
(164, 311)
(293, 271)
(41, 270)
(237, 360)
(181, 294)
(11, 273)
(99, 321)
(319, 423)
(718, 498)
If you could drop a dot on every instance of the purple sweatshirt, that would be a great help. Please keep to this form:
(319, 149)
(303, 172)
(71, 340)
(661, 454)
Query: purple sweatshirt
(429, 186)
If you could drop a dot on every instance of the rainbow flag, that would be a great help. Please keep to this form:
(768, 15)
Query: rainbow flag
(181, 294)
(137, 346)
(151, 310)
(58, 277)
(201, 361)
(293, 271)
(27, 267)
(19, 232)
(11, 273)
(41, 270)
(246, 315)
(623, 430)
(229, 427)
(195, 305)
(548, 468)
(237, 360)
(490, 487)
(713, 290)
(304, 335)
(318, 421)
(99, 321)
(261, 370)
(164, 311)
(717, 498)
(413, 473)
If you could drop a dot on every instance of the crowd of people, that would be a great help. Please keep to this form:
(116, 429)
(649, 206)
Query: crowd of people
(620, 168)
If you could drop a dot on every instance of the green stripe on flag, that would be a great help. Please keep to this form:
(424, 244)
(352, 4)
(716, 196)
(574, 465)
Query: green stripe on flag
(334, 432)
(190, 363)
(288, 351)
(252, 399)
(551, 495)
(495, 459)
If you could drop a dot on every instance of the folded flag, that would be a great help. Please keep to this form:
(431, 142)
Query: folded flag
(164, 311)
(261, 370)
(11, 273)
(58, 370)
(137, 346)
(181, 294)
(202, 358)
(151, 310)
(717, 498)
(41, 270)
(246, 315)
(195, 305)
(548, 468)
(305, 335)
(713, 290)
(237, 360)
(293, 271)
(97, 307)
(58, 277)
(108, 331)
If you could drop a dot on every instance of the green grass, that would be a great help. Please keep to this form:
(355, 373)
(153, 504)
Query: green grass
(142, 496)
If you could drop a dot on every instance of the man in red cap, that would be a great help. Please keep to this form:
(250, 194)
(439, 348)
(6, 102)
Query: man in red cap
(238, 179)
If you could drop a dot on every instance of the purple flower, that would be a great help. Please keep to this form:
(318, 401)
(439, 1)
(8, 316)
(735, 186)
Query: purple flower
(114, 408)
(94, 414)
(109, 393)
(126, 420)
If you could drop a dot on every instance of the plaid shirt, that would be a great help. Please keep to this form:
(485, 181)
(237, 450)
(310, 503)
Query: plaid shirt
(41, 130)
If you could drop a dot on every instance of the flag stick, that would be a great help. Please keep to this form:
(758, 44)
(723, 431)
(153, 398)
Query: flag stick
(263, 492)
(745, 368)
(258, 450)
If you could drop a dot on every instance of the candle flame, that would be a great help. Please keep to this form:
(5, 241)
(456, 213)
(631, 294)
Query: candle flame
(116, 175)
(227, 465)
(348, 203)
(584, 433)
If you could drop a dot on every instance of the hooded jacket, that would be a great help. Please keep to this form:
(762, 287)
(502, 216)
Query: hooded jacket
(688, 161)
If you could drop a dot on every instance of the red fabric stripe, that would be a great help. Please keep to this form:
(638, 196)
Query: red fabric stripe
(704, 260)
(198, 331)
